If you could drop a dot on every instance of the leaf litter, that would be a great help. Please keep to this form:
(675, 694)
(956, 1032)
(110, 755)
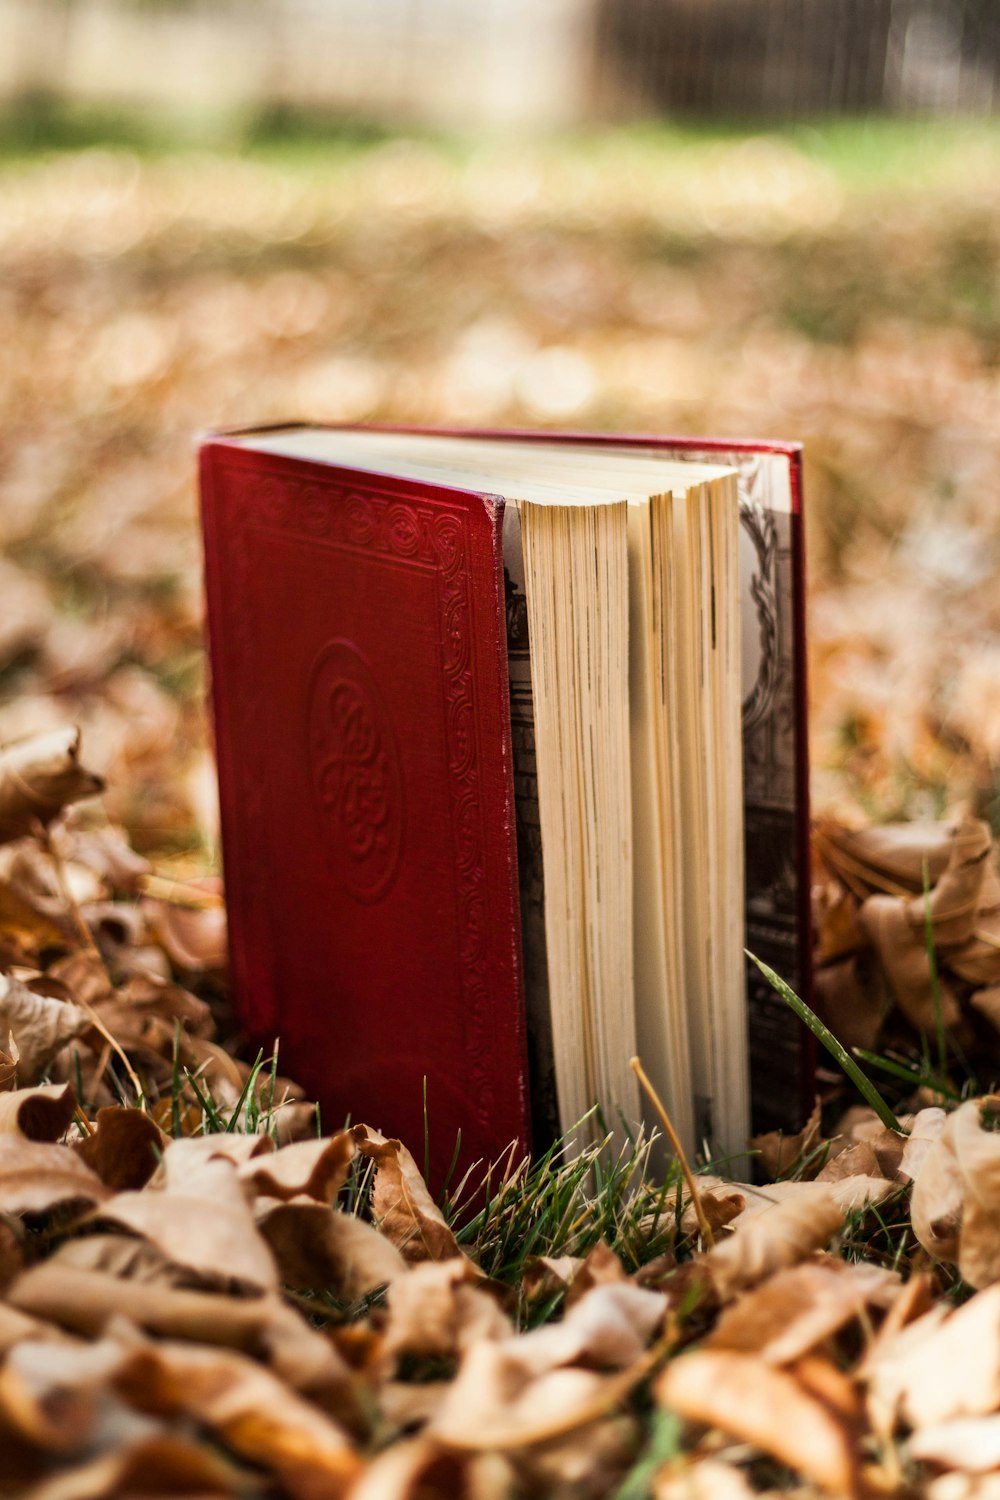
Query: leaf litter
(199, 1293)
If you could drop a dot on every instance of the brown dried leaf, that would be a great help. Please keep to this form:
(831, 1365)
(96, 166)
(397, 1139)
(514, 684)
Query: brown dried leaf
(36, 1178)
(401, 1204)
(547, 1274)
(608, 1328)
(852, 997)
(253, 1413)
(166, 1464)
(887, 856)
(795, 1310)
(778, 1153)
(82, 976)
(195, 941)
(703, 1479)
(421, 1469)
(205, 1224)
(148, 994)
(968, 1443)
(599, 1267)
(43, 1113)
(925, 1129)
(437, 1310)
(124, 1149)
(498, 1401)
(944, 1365)
(955, 1205)
(38, 1025)
(776, 1235)
(318, 1248)
(87, 1301)
(902, 951)
(316, 1168)
(751, 1400)
(25, 926)
(38, 778)
(107, 852)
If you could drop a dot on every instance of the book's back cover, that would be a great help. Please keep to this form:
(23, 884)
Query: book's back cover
(356, 632)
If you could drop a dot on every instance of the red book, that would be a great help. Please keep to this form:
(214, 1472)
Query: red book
(376, 792)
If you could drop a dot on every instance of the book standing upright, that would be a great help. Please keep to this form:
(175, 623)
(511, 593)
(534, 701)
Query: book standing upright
(391, 754)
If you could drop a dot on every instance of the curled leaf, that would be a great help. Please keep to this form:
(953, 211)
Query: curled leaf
(437, 1310)
(757, 1403)
(955, 1205)
(796, 1310)
(40, 776)
(204, 1224)
(39, 1114)
(942, 1366)
(780, 1234)
(125, 1148)
(39, 1026)
(315, 1168)
(401, 1204)
(318, 1248)
(36, 1177)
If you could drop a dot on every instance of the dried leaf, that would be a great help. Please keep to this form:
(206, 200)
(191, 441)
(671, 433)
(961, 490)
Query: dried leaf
(401, 1204)
(902, 951)
(36, 1178)
(955, 1204)
(167, 1464)
(703, 1479)
(437, 1310)
(777, 1235)
(609, 1327)
(969, 1443)
(546, 1274)
(778, 1153)
(599, 1267)
(125, 1148)
(38, 778)
(316, 1168)
(87, 1301)
(43, 1113)
(39, 1026)
(887, 856)
(318, 1248)
(944, 1365)
(925, 1129)
(795, 1310)
(205, 1223)
(498, 1401)
(195, 941)
(421, 1469)
(751, 1400)
(852, 997)
(253, 1413)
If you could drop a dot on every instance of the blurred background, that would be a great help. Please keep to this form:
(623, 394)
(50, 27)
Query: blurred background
(743, 217)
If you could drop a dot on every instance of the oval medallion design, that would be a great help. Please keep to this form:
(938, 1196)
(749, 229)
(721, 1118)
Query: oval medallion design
(355, 770)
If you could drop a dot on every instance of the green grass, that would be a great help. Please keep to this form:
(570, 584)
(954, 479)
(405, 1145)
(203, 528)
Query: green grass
(869, 154)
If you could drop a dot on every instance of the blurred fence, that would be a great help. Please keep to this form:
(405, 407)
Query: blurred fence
(798, 57)
(507, 61)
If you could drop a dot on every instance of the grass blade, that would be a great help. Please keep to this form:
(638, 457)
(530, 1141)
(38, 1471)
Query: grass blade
(824, 1035)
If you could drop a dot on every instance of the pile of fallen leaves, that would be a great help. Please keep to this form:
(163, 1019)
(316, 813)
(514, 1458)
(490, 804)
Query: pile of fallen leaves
(200, 1294)
(908, 942)
(623, 282)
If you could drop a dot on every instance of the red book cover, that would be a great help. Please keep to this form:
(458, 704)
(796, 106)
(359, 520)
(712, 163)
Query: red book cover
(362, 728)
(358, 648)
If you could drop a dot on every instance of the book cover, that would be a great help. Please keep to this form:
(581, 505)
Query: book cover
(353, 626)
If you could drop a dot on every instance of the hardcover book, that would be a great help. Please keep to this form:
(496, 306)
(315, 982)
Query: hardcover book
(510, 732)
